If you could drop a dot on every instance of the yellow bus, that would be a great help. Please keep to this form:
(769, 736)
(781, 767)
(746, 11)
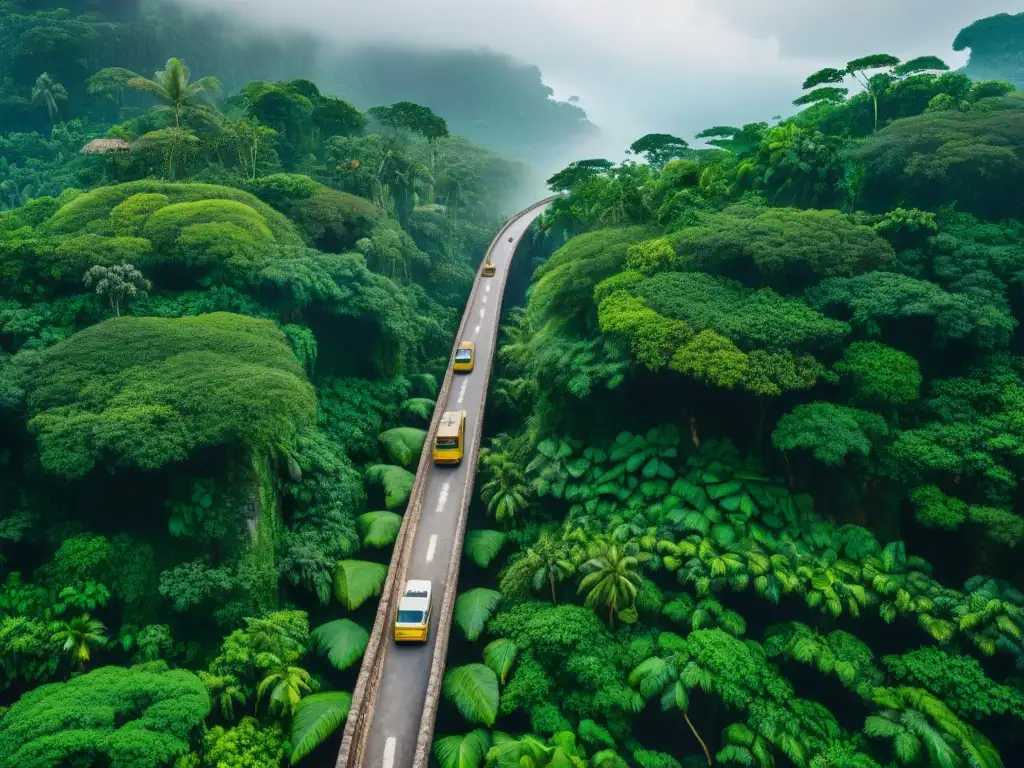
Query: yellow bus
(464, 357)
(450, 440)
(412, 624)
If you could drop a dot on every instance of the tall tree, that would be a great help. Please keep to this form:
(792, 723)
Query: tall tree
(172, 86)
(612, 579)
(659, 148)
(545, 563)
(49, 94)
(79, 636)
(826, 84)
(287, 685)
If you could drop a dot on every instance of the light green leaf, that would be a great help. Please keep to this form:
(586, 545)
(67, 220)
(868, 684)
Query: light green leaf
(397, 483)
(379, 529)
(468, 751)
(316, 717)
(718, 490)
(473, 689)
(483, 546)
(356, 581)
(500, 656)
(474, 608)
(343, 640)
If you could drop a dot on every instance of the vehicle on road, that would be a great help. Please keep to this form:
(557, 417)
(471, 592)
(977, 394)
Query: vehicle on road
(489, 268)
(450, 441)
(464, 357)
(412, 624)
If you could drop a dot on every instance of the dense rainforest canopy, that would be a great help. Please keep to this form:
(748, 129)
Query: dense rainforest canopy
(750, 490)
(751, 494)
(496, 102)
(224, 309)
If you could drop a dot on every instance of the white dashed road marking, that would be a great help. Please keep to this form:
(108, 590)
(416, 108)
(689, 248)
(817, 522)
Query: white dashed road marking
(444, 496)
(389, 752)
(476, 330)
(431, 547)
(487, 287)
(462, 390)
(482, 313)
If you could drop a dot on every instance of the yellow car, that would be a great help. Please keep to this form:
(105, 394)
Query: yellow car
(464, 357)
(412, 624)
(489, 269)
(449, 444)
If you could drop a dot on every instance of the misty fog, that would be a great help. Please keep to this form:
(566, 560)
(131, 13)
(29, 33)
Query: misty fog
(676, 66)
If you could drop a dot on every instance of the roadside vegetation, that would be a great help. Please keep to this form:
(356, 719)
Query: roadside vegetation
(223, 318)
(751, 489)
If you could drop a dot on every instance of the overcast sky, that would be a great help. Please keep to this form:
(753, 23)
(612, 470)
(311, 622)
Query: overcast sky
(652, 65)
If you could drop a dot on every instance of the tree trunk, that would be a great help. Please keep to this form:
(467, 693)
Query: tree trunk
(697, 736)
(551, 578)
(874, 97)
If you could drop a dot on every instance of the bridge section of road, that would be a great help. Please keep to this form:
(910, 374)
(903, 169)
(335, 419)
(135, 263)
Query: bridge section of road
(394, 703)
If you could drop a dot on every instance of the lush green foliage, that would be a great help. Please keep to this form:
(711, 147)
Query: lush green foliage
(756, 436)
(225, 305)
(135, 717)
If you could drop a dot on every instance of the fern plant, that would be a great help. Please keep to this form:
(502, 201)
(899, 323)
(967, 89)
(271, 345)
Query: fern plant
(343, 640)
(474, 608)
(473, 689)
(316, 717)
(356, 581)
(396, 481)
(379, 529)
(403, 445)
(420, 407)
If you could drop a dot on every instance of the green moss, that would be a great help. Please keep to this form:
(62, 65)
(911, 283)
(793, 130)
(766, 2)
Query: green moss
(265, 528)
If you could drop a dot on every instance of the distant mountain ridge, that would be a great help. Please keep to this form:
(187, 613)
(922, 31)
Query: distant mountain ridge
(996, 44)
(493, 100)
(488, 97)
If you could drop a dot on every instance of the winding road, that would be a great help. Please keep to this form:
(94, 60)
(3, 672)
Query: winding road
(401, 683)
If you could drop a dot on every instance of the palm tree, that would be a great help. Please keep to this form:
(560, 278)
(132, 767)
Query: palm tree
(225, 691)
(547, 561)
(672, 679)
(269, 636)
(79, 636)
(287, 686)
(506, 493)
(922, 726)
(49, 94)
(613, 579)
(171, 86)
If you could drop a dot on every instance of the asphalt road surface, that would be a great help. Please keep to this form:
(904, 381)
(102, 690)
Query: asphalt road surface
(396, 719)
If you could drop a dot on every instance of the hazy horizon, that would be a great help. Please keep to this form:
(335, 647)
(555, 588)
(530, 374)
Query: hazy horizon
(676, 66)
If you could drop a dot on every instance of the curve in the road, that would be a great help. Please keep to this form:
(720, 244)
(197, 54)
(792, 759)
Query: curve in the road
(394, 703)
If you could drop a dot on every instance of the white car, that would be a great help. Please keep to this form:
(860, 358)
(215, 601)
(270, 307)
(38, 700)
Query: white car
(412, 624)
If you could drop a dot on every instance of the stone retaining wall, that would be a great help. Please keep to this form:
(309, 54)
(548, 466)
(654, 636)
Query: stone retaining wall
(364, 695)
